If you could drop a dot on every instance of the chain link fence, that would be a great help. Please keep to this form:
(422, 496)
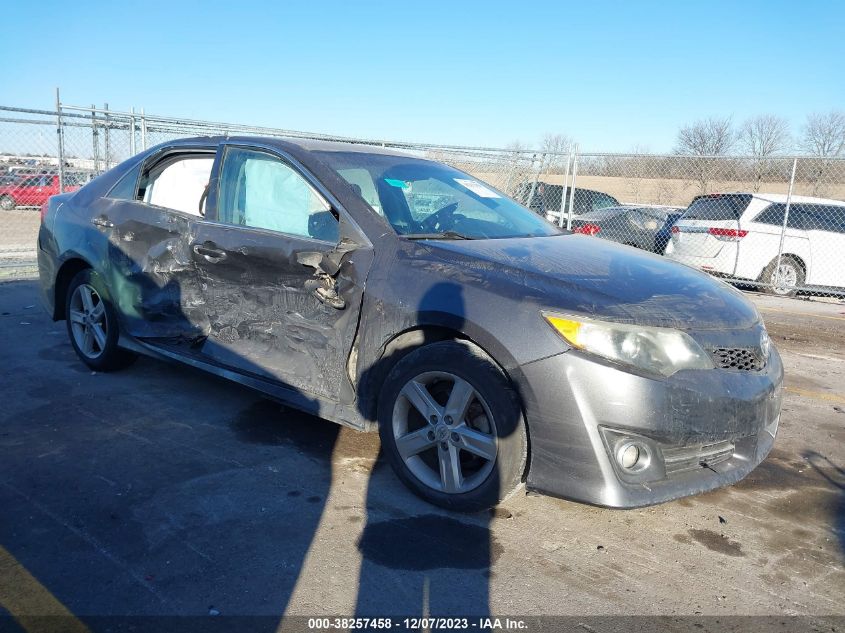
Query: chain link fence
(773, 223)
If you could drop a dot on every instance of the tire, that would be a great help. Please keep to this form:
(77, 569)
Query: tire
(92, 324)
(791, 270)
(7, 203)
(431, 456)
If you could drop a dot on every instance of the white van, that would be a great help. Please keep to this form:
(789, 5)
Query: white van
(738, 235)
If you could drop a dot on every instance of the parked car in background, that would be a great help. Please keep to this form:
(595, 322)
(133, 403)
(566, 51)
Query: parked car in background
(645, 227)
(738, 235)
(546, 199)
(29, 191)
(384, 291)
(34, 191)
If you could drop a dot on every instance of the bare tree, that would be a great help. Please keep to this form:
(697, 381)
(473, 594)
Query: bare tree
(706, 137)
(516, 168)
(824, 138)
(555, 149)
(763, 137)
(824, 134)
(702, 140)
(556, 142)
(517, 146)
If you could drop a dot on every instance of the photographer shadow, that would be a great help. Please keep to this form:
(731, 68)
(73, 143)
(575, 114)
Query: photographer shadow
(418, 560)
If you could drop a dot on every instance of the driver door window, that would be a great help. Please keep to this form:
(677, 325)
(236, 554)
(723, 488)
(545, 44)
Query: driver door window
(258, 190)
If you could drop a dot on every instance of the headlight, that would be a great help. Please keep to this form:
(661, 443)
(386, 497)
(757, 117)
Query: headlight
(655, 349)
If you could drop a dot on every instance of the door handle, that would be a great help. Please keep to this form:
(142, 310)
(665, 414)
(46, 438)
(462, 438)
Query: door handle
(212, 255)
(102, 221)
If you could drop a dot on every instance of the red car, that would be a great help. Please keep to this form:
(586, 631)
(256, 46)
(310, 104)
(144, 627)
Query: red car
(31, 191)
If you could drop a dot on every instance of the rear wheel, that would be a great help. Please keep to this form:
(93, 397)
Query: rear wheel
(92, 324)
(783, 280)
(451, 426)
(7, 203)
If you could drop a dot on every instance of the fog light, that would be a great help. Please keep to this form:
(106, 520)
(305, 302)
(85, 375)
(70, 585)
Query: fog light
(629, 456)
(632, 456)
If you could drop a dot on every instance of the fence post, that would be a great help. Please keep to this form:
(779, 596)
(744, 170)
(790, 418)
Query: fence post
(143, 131)
(776, 277)
(106, 148)
(132, 131)
(565, 184)
(536, 178)
(572, 189)
(60, 143)
(95, 139)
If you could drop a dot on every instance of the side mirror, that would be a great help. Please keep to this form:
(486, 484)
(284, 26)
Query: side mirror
(323, 225)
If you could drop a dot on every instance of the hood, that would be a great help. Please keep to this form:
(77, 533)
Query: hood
(591, 277)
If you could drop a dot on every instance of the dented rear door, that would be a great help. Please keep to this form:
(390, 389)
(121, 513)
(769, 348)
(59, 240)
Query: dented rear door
(282, 284)
(151, 275)
(152, 279)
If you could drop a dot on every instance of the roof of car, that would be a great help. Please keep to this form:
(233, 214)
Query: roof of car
(782, 197)
(653, 207)
(306, 144)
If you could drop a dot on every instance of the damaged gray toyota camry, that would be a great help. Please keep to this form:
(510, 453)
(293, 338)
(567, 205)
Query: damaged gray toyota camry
(384, 291)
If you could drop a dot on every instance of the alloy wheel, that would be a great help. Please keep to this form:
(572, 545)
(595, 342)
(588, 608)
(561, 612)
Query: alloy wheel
(445, 432)
(88, 321)
(785, 279)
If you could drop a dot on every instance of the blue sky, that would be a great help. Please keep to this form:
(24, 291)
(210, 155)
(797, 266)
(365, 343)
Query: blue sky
(614, 75)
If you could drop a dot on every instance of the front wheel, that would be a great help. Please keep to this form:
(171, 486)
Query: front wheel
(452, 428)
(7, 203)
(92, 324)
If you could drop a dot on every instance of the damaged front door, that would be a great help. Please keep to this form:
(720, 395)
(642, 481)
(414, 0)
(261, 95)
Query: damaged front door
(281, 281)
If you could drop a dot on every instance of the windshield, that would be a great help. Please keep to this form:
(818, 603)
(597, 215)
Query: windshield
(718, 207)
(421, 198)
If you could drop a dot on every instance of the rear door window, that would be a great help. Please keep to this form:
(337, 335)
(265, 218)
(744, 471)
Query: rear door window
(125, 188)
(178, 184)
(773, 215)
(819, 217)
(718, 207)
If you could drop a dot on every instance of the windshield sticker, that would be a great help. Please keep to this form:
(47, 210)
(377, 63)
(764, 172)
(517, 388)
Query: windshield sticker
(393, 182)
(477, 188)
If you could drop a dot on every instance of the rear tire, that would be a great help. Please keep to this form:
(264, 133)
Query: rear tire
(7, 203)
(92, 324)
(469, 450)
(790, 278)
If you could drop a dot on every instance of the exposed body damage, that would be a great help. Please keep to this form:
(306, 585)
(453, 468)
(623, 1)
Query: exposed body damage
(319, 324)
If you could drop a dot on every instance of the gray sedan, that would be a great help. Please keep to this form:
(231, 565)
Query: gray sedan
(387, 292)
(646, 227)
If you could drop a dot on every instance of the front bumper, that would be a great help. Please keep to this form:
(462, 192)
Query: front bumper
(575, 402)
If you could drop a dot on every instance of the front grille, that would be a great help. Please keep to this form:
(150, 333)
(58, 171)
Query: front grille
(685, 458)
(737, 358)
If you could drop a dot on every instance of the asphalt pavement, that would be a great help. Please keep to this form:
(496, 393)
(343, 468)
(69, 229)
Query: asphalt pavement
(160, 490)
